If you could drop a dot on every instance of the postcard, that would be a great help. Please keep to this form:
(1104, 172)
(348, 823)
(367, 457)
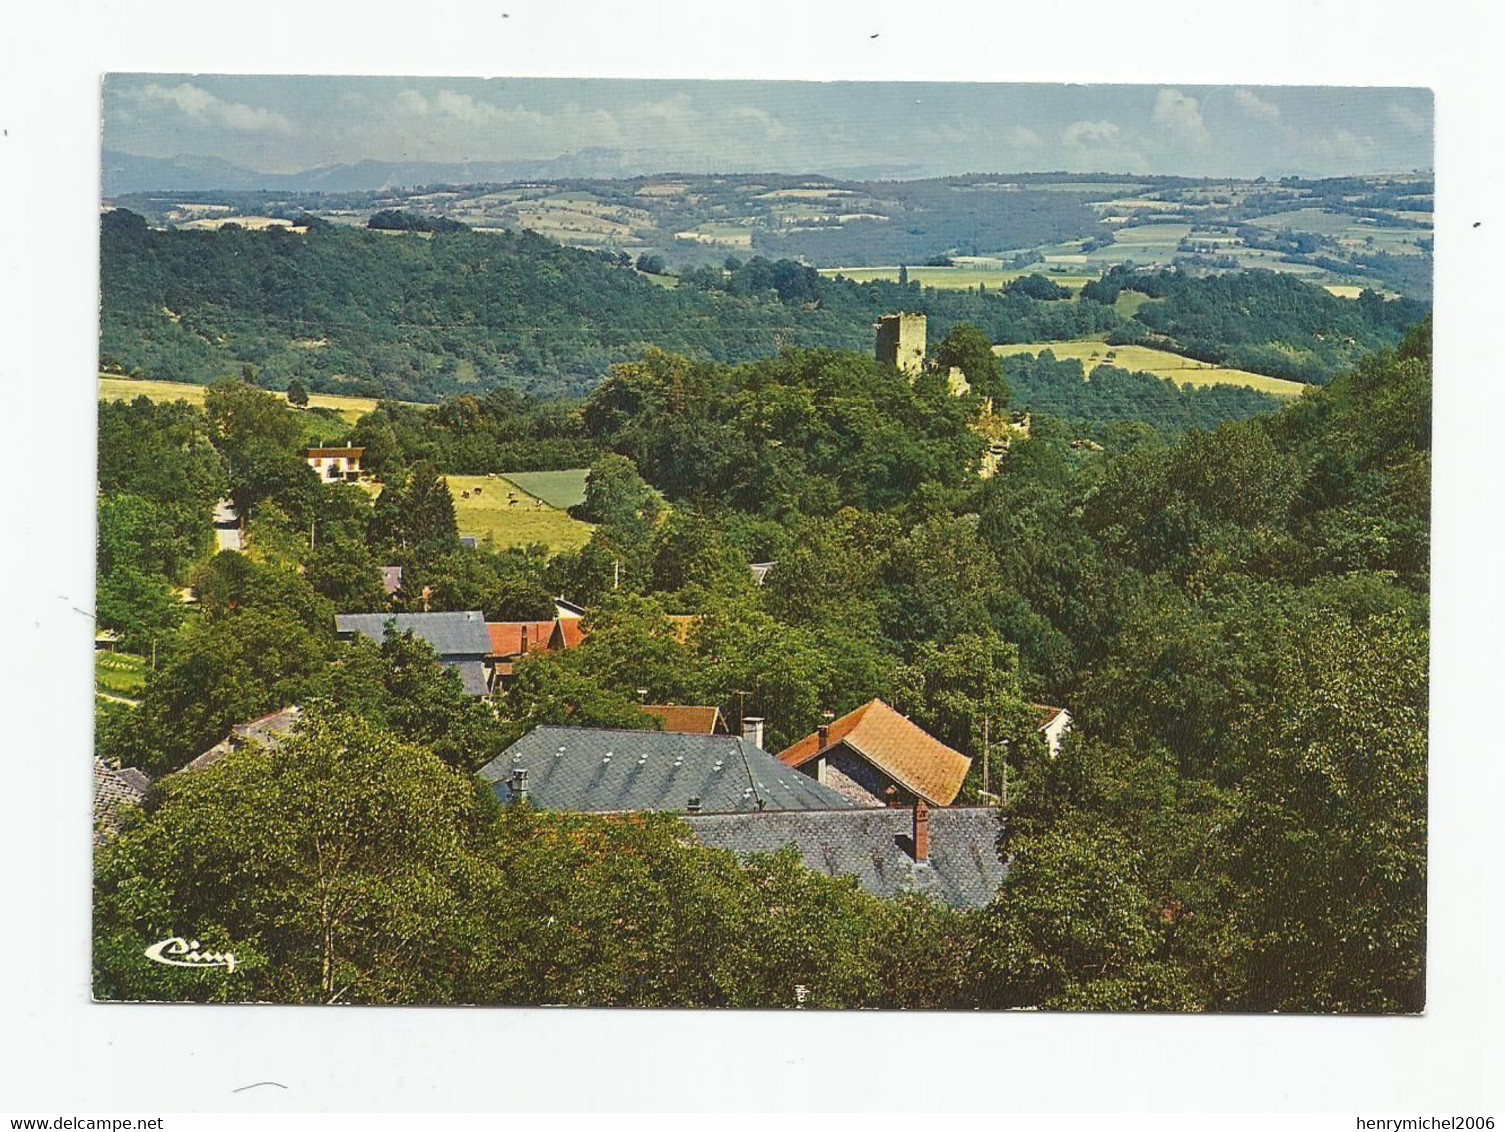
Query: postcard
(763, 545)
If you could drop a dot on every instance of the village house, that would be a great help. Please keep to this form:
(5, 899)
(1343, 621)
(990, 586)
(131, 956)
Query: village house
(461, 640)
(601, 770)
(696, 719)
(115, 789)
(567, 610)
(334, 465)
(949, 855)
(1054, 723)
(874, 756)
(510, 642)
(391, 579)
(265, 733)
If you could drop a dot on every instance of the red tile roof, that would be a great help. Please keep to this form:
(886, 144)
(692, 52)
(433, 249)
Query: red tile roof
(688, 719)
(1047, 715)
(348, 453)
(507, 636)
(909, 755)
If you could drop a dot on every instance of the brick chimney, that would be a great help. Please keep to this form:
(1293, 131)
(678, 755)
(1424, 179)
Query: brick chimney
(752, 730)
(921, 830)
(822, 736)
(525, 638)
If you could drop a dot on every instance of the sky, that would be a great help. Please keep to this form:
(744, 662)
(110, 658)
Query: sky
(285, 124)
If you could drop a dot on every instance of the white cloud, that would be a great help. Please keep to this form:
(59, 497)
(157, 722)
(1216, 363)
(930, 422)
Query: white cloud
(411, 102)
(1342, 149)
(1179, 114)
(760, 120)
(202, 106)
(1255, 106)
(1022, 137)
(1082, 134)
(1408, 119)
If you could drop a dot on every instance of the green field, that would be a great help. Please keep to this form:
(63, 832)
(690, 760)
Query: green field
(1184, 371)
(962, 278)
(119, 673)
(563, 489)
(1128, 302)
(486, 513)
(113, 388)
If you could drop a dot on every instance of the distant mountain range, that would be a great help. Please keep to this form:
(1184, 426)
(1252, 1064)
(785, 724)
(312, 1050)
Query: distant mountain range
(131, 173)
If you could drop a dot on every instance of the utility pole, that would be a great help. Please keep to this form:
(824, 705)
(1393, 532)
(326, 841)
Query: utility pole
(987, 753)
(616, 573)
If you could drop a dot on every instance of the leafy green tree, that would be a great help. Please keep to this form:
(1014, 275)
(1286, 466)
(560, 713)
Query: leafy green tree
(160, 452)
(219, 673)
(401, 687)
(383, 457)
(153, 537)
(505, 585)
(262, 442)
(320, 868)
(969, 349)
(618, 498)
(297, 394)
(416, 515)
(549, 688)
(1071, 928)
(141, 607)
(347, 573)
(965, 690)
(1328, 850)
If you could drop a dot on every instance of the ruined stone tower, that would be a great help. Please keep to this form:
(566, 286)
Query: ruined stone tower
(901, 342)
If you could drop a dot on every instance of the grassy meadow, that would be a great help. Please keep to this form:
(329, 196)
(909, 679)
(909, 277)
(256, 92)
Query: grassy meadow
(964, 278)
(563, 489)
(1184, 371)
(482, 509)
(115, 388)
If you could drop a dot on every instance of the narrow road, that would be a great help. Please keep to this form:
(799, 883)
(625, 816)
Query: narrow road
(226, 527)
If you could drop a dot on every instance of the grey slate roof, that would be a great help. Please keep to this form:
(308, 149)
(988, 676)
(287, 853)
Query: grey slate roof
(451, 635)
(268, 732)
(569, 769)
(472, 675)
(876, 846)
(113, 790)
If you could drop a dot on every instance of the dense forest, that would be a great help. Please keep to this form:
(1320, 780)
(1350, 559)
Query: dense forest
(421, 315)
(1237, 618)
(1260, 320)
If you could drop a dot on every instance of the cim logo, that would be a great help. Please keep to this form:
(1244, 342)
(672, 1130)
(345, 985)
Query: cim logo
(179, 952)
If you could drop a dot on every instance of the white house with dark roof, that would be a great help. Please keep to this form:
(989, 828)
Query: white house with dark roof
(336, 465)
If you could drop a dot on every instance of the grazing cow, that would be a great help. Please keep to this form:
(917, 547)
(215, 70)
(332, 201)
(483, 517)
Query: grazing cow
(476, 490)
(465, 495)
